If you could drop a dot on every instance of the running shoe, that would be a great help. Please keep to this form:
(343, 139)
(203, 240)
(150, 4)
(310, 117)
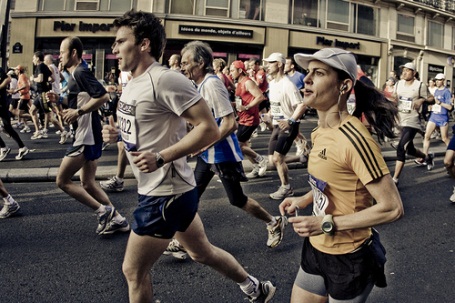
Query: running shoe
(26, 129)
(430, 161)
(36, 135)
(4, 152)
(64, 136)
(254, 173)
(302, 147)
(282, 193)
(9, 209)
(113, 184)
(267, 291)
(104, 219)
(113, 226)
(263, 126)
(44, 133)
(22, 152)
(420, 162)
(452, 197)
(176, 250)
(276, 231)
(263, 167)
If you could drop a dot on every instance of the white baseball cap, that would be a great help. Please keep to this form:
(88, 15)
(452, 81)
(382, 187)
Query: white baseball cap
(409, 65)
(334, 57)
(275, 57)
(440, 76)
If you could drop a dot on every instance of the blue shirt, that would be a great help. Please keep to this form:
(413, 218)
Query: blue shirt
(216, 95)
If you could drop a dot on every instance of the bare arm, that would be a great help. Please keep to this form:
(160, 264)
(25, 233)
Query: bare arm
(388, 208)
(70, 115)
(253, 89)
(205, 132)
(5, 82)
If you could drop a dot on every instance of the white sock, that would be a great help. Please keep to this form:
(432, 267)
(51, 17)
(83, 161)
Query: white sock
(100, 210)
(250, 286)
(287, 186)
(119, 179)
(9, 200)
(258, 158)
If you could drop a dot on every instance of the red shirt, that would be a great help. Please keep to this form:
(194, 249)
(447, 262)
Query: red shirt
(249, 117)
(261, 80)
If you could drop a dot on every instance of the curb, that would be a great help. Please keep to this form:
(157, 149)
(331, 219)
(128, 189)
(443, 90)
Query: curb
(106, 172)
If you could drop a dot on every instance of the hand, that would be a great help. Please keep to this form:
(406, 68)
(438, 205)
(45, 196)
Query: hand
(283, 124)
(70, 115)
(52, 97)
(145, 161)
(110, 132)
(289, 206)
(306, 226)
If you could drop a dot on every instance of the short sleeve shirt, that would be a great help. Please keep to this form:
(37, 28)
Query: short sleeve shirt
(342, 161)
(149, 116)
(409, 117)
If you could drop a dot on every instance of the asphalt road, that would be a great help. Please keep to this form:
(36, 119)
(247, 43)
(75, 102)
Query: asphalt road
(50, 252)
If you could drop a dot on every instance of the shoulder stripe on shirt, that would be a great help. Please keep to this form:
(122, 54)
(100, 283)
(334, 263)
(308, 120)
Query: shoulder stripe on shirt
(363, 148)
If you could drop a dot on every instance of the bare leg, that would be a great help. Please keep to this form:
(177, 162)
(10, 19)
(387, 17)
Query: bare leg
(68, 168)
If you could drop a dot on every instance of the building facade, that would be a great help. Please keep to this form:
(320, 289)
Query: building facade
(384, 34)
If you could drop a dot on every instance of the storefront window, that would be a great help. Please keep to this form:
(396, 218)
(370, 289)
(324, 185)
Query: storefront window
(305, 12)
(251, 9)
(86, 5)
(338, 15)
(52, 5)
(405, 30)
(115, 5)
(435, 34)
(185, 7)
(217, 8)
(365, 20)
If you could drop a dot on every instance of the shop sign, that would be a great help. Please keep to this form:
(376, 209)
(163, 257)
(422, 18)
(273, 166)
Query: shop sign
(215, 31)
(435, 69)
(83, 27)
(17, 48)
(337, 43)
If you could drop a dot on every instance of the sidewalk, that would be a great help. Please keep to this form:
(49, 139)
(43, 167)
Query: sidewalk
(104, 172)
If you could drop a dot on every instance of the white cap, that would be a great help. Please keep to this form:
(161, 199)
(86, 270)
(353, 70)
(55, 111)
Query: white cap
(275, 57)
(335, 57)
(440, 77)
(409, 65)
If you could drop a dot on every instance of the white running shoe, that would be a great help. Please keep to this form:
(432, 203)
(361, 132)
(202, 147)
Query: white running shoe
(22, 152)
(4, 152)
(263, 167)
(36, 135)
(63, 137)
(254, 173)
(176, 250)
(452, 197)
(276, 231)
(282, 193)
